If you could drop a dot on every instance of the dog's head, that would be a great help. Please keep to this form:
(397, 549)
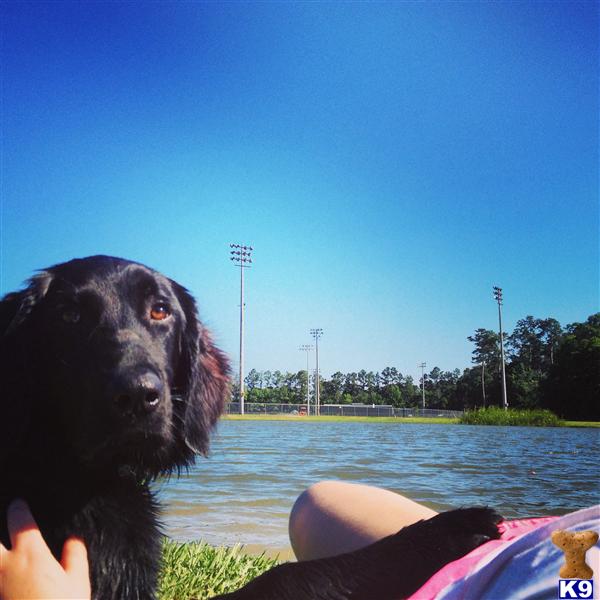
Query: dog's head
(110, 356)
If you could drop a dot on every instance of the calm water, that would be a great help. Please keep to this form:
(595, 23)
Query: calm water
(243, 493)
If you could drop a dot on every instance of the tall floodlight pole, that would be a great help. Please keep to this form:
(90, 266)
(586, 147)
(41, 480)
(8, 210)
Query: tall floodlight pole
(317, 333)
(498, 297)
(240, 255)
(422, 366)
(307, 348)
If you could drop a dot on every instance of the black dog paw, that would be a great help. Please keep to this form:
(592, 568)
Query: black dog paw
(467, 528)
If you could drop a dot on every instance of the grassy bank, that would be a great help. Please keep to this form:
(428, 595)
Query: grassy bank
(313, 419)
(513, 419)
(197, 571)
(498, 416)
(581, 423)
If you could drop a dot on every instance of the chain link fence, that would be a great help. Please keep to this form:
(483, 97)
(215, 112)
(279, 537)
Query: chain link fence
(340, 410)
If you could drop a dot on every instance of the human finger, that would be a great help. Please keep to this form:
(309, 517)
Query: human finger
(74, 561)
(22, 528)
(74, 556)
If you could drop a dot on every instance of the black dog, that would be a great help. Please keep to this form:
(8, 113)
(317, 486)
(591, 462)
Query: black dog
(110, 380)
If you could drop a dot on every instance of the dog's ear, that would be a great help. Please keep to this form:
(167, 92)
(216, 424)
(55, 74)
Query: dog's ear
(15, 308)
(204, 375)
(16, 348)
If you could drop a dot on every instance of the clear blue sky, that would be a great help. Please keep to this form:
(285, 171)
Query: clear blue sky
(389, 162)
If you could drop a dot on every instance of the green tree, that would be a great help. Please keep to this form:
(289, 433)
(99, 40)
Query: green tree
(486, 354)
(448, 388)
(523, 385)
(487, 349)
(390, 375)
(532, 347)
(469, 390)
(377, 380)
(371, 387)
(534, 341)
(362, 380)
(551, 333)
(302, 380)
(386, 376)
(572, 389)
(333, 389)
(410, 392)
(277, 379)
(525, 344)
(393, 396)
(253, 379)
(351, 384)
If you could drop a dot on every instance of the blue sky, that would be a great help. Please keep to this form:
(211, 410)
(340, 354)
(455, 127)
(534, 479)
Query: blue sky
(389, 162)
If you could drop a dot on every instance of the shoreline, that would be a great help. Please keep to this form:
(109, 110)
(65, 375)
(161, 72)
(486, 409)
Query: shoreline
(398, 420)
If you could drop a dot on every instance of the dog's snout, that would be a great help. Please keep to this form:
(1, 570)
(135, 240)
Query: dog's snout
(138, 395)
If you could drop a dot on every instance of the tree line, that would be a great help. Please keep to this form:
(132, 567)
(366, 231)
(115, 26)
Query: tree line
(547, 366)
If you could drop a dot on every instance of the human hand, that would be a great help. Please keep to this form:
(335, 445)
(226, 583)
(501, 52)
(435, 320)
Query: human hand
(30, 571)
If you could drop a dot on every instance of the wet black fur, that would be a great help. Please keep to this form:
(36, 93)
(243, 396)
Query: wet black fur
(69, 340)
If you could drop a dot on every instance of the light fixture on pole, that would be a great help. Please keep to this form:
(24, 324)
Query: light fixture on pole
(498, 298)
(307, 348)
(422, 366)
(317, 333)
(240, 255)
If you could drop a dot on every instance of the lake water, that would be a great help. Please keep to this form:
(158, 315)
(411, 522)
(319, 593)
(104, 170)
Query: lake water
(244, 492)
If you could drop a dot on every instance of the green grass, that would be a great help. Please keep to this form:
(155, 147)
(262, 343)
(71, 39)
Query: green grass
(514, 417)
(439, 420)
(197, 571)
(581, 423)
(498, 416)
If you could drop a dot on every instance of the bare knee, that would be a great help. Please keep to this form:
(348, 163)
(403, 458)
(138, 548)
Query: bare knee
(331, 517)
(319, 526)
(307, 510)
(314, 498)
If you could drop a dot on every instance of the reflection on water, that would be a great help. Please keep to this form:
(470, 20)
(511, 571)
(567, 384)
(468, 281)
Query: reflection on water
(243, 493)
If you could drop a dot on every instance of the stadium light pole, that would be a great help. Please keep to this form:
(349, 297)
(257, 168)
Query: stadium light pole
(307, 348)
(422, 367)
(241, 257)
(498, 297)
(317, 333)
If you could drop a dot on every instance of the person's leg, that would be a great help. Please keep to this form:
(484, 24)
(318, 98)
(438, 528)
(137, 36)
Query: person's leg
(333, 517)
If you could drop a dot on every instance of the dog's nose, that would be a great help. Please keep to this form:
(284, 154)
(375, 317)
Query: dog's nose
(138, 395)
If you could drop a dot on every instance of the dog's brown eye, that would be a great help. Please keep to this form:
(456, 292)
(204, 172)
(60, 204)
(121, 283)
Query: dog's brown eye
(70, 315)
(159, 312)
